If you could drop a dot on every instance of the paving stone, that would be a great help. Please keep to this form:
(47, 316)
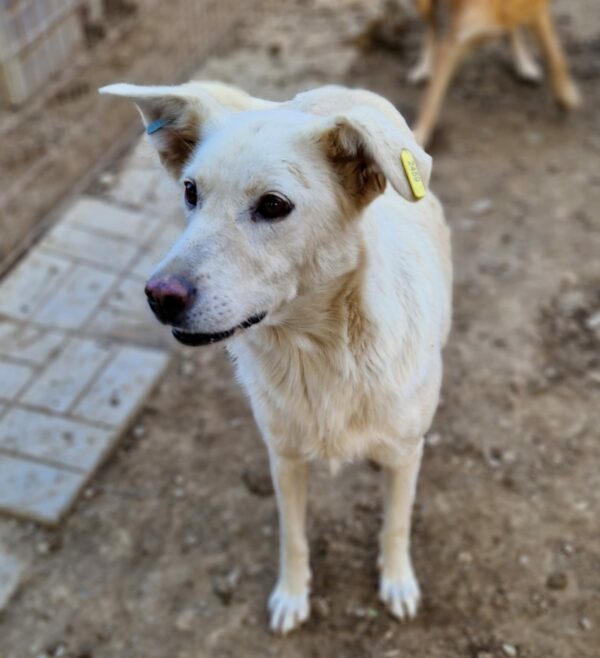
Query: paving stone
(28, 343)
(96, 215)
(122, 386)
(13, 377)
(115, 253)
(54, 438)
(75, 301)
(11, 571)
(165, 237)
(39, 491)
(31, 283)
(135, 186)
(64, 379)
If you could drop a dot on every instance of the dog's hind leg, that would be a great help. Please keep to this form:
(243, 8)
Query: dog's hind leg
(398, 587)
(421, 72)
(289, 605)
(565, 89)
(525, 65)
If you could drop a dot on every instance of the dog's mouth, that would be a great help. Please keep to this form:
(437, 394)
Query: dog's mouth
(195, 340)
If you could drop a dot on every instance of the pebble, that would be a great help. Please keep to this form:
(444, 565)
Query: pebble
(557, 581)
(185, 620)
(187, 368)
(321, 607)
(585, 623)
(433, 439)
(258, 481)
(139, 432)
(482, 206)
(484, 654)
(509, 650)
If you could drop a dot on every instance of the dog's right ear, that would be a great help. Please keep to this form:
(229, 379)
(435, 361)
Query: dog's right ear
(176, 118)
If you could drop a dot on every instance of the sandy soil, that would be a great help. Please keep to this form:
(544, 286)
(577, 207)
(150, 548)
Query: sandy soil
(172, 551)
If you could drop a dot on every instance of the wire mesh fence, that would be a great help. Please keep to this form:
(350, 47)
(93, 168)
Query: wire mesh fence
(56, 130)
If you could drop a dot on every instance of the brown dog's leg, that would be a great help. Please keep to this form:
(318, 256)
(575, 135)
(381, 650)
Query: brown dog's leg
(422, 69)
(288, 604)
(565, 89)
(449, 55)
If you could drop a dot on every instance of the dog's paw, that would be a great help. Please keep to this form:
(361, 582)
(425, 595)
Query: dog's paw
(400, 596)
(419, 74)
(287, 610)
(568, 95)
(529, 70)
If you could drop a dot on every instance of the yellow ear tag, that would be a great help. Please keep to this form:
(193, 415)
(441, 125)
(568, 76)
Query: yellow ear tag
(412, 174)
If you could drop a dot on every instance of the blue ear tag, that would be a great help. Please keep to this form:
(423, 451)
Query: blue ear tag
(155, 126)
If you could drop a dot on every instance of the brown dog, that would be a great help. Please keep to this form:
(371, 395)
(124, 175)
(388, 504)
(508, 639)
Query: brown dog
(472, 21)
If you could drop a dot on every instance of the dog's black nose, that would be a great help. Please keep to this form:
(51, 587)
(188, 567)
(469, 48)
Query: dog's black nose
(169, 297)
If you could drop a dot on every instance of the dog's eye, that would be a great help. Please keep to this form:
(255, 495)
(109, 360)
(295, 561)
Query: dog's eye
(273, 207)
(190, 194)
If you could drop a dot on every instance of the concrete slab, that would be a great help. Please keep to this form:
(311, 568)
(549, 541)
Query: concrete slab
(28, 343)
(111, 252)
(75, 301)
(11, 571)
(30, 284)
(65, 378)
(106, 218)
(13, 378)
(121, 387)
(54, 439)
(33, 490)
(135, 186)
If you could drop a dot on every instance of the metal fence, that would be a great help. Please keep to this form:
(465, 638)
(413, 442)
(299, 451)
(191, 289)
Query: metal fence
(64, 132)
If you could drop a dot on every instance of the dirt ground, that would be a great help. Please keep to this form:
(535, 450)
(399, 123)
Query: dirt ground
(172, 551)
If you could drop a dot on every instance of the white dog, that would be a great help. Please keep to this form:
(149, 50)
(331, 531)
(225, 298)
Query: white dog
(332, 287)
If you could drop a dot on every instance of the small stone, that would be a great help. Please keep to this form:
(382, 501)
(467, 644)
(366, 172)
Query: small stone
(139, 432)
(179, 493)
(484, 654)
(224, 586)
(433, 439)
(258, 482)
(568, 548)
(185, 620)
(89, 492)
(482, 206)
(585, 623)
(523, 560)
(465, 557)
(509, 650)
(188, 368)
(593, 322)
(321, 607)
(533, 138)
(557, 581)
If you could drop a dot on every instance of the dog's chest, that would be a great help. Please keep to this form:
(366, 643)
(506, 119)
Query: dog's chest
(321, 406)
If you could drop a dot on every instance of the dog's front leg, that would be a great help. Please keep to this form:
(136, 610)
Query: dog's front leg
(398, 588)
(289, 605)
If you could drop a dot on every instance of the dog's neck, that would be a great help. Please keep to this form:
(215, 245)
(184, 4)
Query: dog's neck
(327, 312)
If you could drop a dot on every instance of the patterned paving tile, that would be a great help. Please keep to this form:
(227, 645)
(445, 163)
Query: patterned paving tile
(34, 490)
(54, 439)
(79, 350)
(125, 381)
(64, 379)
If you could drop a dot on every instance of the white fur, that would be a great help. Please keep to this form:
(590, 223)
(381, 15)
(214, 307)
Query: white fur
(347, 363)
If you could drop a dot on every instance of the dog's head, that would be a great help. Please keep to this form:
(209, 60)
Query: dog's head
(272, 197)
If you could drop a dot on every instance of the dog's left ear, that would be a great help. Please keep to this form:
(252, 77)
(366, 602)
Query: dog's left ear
(176, 118)
(366, 148)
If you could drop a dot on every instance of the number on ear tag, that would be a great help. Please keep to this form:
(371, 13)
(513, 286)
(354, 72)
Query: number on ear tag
(412, 174)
